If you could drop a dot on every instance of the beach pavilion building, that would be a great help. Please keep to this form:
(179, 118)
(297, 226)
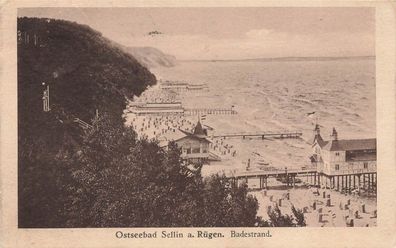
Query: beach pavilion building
(194, 145)
(345, 164)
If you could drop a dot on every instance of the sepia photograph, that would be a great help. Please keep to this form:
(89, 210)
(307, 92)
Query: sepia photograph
(196, 117)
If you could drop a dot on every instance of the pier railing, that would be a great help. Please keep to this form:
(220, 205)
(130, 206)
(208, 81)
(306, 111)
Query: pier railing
(263, 135)
(209, 111)
(348, 172)
(258, 173)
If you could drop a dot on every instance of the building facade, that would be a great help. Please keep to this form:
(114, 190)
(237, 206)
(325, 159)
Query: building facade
(194, 146)
(352, 159)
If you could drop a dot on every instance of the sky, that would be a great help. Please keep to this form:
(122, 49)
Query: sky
(232, 32)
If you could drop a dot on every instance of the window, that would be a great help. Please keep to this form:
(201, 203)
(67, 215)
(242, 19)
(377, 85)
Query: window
(196, 150)
(337, 154)
(188, 150)
(337, 167)
(365, 165)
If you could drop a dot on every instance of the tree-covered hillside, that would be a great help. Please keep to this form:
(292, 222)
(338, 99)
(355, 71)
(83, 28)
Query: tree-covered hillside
(85, 72)
(103, 176)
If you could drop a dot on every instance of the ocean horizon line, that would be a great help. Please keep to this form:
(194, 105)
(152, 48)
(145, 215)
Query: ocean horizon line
(319, 58)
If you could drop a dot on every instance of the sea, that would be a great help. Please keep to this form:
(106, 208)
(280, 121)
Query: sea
(272, 96)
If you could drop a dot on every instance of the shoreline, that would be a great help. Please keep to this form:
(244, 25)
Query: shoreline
(301, 196)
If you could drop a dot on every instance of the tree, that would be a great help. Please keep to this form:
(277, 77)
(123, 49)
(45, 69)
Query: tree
(277, 219)
(299, 215)
(114, 179)
(125, 181)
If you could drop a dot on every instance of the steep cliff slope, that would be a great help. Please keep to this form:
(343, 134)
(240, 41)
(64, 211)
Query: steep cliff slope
(151, 57)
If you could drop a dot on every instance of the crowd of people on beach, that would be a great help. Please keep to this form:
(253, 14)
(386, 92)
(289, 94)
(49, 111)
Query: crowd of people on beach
(162, 128)
(157, 95)
(321, 207)
(153, 127)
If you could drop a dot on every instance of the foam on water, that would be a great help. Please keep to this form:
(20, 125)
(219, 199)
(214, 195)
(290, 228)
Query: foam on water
(273, 96)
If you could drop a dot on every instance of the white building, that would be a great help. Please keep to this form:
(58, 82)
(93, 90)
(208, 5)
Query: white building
(194, 146)
(343, 156)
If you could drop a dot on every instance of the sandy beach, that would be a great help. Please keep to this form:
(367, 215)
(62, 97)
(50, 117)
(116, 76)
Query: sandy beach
(236, 153)
(317, 212)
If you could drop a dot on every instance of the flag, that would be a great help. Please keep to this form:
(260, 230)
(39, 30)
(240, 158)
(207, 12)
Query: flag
(312, 115)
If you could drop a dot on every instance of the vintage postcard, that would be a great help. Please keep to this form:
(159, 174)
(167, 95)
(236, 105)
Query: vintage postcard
(198, 124)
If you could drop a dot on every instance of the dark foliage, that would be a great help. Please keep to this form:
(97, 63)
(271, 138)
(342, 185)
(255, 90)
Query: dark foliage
(105, 176)
(85, 72)
(122, 181)
(277, 219)
(298, 213)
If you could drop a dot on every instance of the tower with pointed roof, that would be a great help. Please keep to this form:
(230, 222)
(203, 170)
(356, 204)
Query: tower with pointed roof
(334, 134)
(199, 131)
(317, 137)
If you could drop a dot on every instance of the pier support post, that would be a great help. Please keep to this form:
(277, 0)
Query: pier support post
(375, 182)
(324, 180)
(369, 183)
(342, 183)
(334, 182)
(347, 184)
(354, 181)
(314, 178)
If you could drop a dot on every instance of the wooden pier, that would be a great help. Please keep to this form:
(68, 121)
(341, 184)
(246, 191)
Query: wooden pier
(345, 183)
(263, 175)
(209, 111)
(263, 135)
